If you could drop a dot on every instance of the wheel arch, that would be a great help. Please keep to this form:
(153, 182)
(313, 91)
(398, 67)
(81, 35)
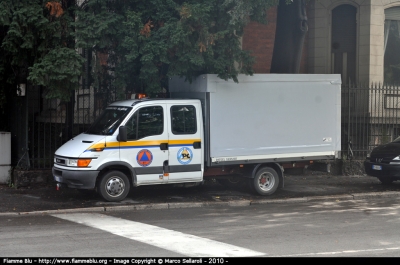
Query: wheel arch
(124, 167)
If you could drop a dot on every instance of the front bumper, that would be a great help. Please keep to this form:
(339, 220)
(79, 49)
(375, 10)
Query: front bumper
(79, 179)
(386, 171)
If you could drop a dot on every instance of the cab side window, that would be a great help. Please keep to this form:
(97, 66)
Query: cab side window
(183, 119)
(145, 122)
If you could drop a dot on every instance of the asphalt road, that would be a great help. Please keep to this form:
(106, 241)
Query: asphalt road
(356, 228)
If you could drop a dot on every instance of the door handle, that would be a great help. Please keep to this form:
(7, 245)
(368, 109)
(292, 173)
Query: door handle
(164, 146)
(197, 145)
(166, 167)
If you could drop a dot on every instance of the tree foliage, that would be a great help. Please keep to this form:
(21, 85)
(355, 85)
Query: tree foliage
(38, 45)
(136, 45)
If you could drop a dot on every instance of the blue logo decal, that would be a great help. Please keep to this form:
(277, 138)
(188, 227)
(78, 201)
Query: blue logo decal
(184, 155)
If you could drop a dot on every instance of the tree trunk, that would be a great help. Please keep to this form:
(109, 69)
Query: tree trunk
(70, 111)
(291, 28)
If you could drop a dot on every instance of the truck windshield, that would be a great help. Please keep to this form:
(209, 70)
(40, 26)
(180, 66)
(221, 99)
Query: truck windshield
(108, 121)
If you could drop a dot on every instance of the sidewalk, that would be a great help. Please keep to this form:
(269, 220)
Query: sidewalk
(311, 185)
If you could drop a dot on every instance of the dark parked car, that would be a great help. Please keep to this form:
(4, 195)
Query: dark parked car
(384, 162)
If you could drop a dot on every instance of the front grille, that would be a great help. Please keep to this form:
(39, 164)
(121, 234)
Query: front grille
(379, 159)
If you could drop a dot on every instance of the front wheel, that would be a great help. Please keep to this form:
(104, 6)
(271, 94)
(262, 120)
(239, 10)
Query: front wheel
(114, 186)
(266, 181)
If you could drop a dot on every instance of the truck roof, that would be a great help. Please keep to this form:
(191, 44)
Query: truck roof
(132, 102)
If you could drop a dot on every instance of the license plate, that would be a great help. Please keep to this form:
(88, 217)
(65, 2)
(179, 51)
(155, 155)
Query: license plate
(375, 167)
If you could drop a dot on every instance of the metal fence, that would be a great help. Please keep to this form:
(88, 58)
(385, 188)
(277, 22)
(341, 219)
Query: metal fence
(370, 117)
(52, 122)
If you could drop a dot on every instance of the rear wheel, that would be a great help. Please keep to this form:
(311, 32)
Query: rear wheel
(385, 181)
(114, 186)
(266, 181)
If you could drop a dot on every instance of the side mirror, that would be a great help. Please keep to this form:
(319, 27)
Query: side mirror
(122, 135)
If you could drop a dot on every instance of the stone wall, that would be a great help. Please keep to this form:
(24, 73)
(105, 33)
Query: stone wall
(339, 167)
(24, 178)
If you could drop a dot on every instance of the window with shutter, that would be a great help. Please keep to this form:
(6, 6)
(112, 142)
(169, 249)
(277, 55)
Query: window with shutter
(392, 46)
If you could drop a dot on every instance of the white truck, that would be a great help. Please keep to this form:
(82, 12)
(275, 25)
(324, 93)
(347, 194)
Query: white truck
(207, 128)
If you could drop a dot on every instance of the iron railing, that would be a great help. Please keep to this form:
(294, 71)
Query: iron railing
(50, 125)
(370, 117)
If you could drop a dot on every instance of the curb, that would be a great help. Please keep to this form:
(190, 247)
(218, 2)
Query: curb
(238, 203)
(345, 197)
(290, 200)
(77, 210)
(386, 194)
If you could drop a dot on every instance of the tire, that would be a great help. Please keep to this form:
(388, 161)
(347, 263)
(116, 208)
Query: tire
(114, 186)
(266, 181)
(385, 181)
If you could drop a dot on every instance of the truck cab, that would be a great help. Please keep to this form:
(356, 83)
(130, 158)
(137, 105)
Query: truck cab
(133, 143)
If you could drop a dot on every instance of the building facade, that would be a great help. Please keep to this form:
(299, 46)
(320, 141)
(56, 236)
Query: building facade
(356, 38)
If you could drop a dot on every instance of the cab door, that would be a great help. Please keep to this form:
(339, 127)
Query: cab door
(146, 149)
(185, 147)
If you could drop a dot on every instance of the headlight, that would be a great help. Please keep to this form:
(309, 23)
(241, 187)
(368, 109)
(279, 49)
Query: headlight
(79, 162)
(396, 160)
(72, 162)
